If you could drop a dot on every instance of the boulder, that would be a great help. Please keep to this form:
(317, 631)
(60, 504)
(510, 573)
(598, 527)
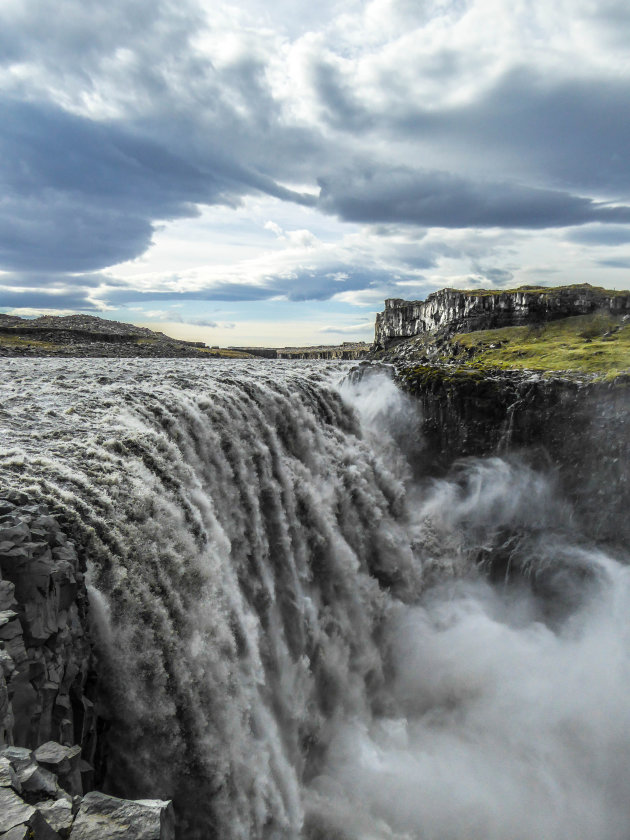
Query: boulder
(58, 815)
(10, 626)
(64, 762)
(37, 783)
(102, 816)
(7, 599)
(18, 757)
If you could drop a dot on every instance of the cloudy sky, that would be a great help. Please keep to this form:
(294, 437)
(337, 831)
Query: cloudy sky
(269, 173)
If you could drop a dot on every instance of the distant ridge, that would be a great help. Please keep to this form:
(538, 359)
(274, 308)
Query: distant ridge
(88, 335)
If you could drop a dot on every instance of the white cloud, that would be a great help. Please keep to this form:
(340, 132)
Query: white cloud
(409, 116)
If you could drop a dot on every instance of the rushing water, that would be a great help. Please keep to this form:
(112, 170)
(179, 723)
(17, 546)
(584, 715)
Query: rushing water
(299, 639)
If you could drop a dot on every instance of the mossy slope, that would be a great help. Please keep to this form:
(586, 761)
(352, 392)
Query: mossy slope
(597, 343)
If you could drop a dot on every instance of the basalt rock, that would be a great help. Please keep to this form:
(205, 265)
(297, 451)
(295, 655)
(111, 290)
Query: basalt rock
(35, 806)
(576, 428)
(449, 310)
(102, 816)
(47, 719)
(44, 648)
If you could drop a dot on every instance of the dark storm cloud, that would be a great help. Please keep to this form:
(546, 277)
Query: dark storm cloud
(76, 299)
(78, 195)
(441, 199)
(341, 107)
(571, 133)
(222, 292)
(58, 281)
(497, 276)
(574, 133)
(324, 284)
(196, 127)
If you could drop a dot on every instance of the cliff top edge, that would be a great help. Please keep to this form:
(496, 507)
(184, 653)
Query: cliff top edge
(569, 290)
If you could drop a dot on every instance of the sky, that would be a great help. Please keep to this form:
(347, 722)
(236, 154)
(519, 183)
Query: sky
(268, 173)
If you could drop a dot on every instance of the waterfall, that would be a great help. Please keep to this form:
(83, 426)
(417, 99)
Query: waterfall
(299, 638)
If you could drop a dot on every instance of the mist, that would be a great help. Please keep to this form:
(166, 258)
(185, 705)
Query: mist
(301, 632)
(506, 714)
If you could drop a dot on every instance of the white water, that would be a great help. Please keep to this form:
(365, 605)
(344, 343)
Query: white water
(296, 640)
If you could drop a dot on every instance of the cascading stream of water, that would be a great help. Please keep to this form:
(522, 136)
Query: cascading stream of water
(296, 639)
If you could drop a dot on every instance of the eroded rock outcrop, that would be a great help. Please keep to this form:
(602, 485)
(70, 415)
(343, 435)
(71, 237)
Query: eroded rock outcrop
(44, 650)
(450, 310)
(48, 723)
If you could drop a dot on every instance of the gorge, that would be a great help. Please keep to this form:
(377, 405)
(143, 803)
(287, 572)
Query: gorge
(301, 601)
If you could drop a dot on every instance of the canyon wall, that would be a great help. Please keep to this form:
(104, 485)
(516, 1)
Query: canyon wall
(452, 311)
(576, 430)
(48, 720)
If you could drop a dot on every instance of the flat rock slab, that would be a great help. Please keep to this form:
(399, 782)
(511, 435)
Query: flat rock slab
(20, 832)
(8, 777)
(102, 816)
(13, 811)
(55, 755)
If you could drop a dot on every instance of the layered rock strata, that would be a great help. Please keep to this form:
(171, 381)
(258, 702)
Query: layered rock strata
(450, 311)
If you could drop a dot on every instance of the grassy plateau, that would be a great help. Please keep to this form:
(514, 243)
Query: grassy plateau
(596, 344)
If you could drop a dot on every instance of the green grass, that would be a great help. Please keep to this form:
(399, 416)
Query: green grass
(597, 343)
(546, 290)
(225, 354)
(14, 342)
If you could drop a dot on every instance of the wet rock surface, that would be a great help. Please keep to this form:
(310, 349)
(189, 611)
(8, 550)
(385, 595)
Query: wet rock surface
(575, 428)
(44, 649)
(48, 724)
(38, 804)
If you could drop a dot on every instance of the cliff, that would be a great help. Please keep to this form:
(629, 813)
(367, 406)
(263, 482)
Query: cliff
(575, 429)
(540, 374)
(45, 654)
(449, 311)
(48, 721)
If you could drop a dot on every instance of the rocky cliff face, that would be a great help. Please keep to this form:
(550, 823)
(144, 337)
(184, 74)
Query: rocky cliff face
(44, 653)
(48, 722)
(576, 429)
(452, 311)
(39, 801)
